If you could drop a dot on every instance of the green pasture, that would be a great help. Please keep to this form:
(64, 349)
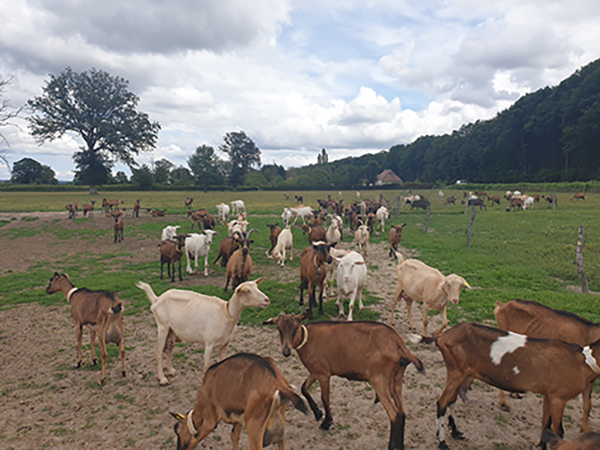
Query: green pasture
(527, 254)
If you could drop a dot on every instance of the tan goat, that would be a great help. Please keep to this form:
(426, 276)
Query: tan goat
(101, 311)
(254, 388)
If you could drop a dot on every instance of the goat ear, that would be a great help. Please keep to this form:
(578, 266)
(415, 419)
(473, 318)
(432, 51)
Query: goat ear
(66, 275)
(466, 284)
(302, 317)
(271, 321)
(260, 280)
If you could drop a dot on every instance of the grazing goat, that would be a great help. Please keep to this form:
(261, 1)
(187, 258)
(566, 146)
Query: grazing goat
(285, 242)
(313, 270)
(357, 351)
(538, 321)
(274, 231)
(299, 198)
(557, 370)
(237, 206)
(198, 245)
(89, 209)
(223, 212)
(169, 232)
(516, 203)
(494, 199)
(188, 203)
(362, 236)
(253, 387)
(382, 215)
(170, 253)
(192, 317)
(579, 196)
(314, 234)
(101, 311)
(72, 208)
(118, 228)
(351, 278)
(239, 266)
(421, 283)
(451, 199)
(587, 441)
(394, 239)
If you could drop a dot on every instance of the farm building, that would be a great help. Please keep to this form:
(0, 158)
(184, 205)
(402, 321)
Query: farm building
(388, 177)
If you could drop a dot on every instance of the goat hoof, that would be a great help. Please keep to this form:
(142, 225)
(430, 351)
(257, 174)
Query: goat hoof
(443, 446)
(124, 373)
(101, 381)
(458, 435)
(78, 365)
(325, 425)
(505, 408)
(95, 362)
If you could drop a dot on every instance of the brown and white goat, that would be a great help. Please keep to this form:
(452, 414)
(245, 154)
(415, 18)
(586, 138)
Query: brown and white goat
(394, 239)
(242, 389)
(357, 351)
(89, 209)
(189, 316)
(539, 321)
(118, 228)
(239, 266)
(170, 253)
(274, 231)
(557, 370)
(101, 311)
(313, 270)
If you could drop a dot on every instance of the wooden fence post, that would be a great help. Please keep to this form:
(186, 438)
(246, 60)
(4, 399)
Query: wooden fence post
(580, 270)
(428, 214)
(473, 212)
(553, 201)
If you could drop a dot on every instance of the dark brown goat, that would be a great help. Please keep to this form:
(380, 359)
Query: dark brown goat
(228, 245)
(208, 221)
(118, 228)
(314, 234)
(101, 311)
(357, 351)
(240, 266)
(313, 270)
(89, 208)
(244, 388)
(538, 321)
(557, 370)
(451, 199)
(274, 232)
(394, 239)
(170, 253)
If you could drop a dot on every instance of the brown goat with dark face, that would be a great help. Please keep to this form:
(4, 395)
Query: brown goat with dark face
(136, 209)
(394, 239)
(314, 234)
(274, 232)
(240, 266)
(313, 270)
(118, 228)
(170, 253)
(357, 351)
(89, 208)
(100, 311)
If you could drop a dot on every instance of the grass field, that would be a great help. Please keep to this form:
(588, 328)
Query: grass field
(527, 254)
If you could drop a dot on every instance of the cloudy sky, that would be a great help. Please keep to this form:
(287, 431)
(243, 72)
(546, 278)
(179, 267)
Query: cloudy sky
(350, 76)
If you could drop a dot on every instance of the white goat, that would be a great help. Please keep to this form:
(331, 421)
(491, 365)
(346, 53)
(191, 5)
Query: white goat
(382, 215)
(441, 195)
(351, 278)
(284, 243)
(223, 212)
(237, 225)
(328, 284)
(237, 206)
(198, 245)
(333, 234)
(528, 203)
(302, 211)
(192, 317)
(169, 233)
(362, 236)
(287, 215)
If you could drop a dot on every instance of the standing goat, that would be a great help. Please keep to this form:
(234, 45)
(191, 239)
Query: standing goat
(357, 351)
(382, 215)
(362, 236)
(169, 232)
(394, 239)
(351, 278)
(118, 228)
(101, 311)
(136, 208)
(513, 362)
(223, 212)
(239, 266)
(274, 231)
(72, 208)
(192, 317)
(198, 245)
(170, 253)
(89, 208)
(313, 270)
(254, 388)
(285, 243)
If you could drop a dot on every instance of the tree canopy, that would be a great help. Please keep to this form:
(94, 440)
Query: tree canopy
(101, 110)
(207, 168)
(30, 171)
(243, 154)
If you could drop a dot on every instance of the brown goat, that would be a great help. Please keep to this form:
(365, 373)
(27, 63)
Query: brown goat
(538, 321)
(228, 245)
(314, 234)
(155, 212)
(89, 208)
(239, 265)
(101, 311)
(136, 208)
(188, 202)
(208, 221)
(516, 203)
(451, 199)
(108, 205)
(557, 370)
(313, 270)
(394, 239)
(357, 351)
(274, 232)
(118, 228)
(170, 253)
(244, 388)
(494, 199)
(72, 208)
(587, 441)
(579, 196)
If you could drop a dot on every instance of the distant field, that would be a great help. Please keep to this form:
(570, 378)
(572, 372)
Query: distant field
(528, 254)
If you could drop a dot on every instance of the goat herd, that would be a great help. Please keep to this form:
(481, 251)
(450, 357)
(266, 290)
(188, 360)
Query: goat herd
(534, 349)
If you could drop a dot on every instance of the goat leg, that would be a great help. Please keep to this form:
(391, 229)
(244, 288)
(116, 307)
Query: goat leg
(313, 405)
(79, 334)
(93, 346)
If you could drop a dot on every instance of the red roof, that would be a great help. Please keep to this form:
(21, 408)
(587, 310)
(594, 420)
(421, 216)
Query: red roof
(388, 176)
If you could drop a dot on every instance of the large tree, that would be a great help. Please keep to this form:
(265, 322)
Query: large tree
(243, 154)
(7, 112)
(101, 110)
(29, 171)
(207, 168)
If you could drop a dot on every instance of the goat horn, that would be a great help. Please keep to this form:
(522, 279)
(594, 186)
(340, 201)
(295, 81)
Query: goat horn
(250, 232)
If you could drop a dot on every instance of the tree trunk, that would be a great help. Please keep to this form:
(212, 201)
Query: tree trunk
(93, 190)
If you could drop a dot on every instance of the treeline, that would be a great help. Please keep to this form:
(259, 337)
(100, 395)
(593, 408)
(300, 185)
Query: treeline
(551, 135)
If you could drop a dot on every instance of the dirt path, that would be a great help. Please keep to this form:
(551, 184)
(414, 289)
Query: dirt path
(45, 403)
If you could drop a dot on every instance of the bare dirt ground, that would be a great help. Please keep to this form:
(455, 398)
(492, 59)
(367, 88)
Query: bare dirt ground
(46, 403)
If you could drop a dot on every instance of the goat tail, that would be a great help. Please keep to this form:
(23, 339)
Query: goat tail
(418, 339)
(295, 399)
(148, 290)
(400, 257)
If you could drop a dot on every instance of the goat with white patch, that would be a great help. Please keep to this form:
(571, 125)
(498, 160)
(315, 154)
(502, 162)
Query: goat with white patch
(284, 243)
(516, 363)
(237, 206)
(351, 278)
(198, 245)
(287, 215)
(169, 232)
(192, 317)
(362, 236)
(382, 215)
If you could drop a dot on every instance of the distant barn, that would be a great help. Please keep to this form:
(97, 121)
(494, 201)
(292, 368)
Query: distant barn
(388, 177)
